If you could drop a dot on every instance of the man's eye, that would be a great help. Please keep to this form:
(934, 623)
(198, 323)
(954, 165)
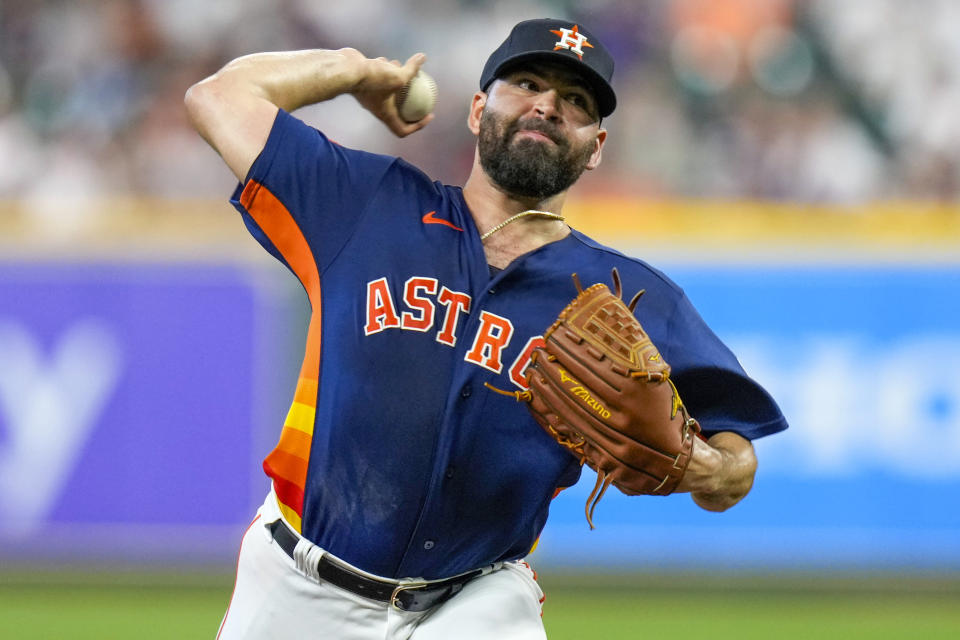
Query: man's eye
(577, 100)
(527, 84)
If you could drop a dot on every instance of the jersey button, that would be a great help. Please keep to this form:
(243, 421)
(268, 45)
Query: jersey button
(428, 545)
(449, 472)
(466, 391)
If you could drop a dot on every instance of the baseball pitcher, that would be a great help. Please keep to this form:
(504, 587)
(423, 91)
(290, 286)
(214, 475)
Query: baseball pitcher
(457, 373)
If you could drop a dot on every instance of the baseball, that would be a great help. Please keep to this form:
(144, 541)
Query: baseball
(417, 98)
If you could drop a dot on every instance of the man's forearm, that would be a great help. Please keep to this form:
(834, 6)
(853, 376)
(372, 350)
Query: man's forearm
(721, 471)
(293, 79)
(234, 108)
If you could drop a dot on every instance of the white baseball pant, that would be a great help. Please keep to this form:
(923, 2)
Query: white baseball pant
(273, 599)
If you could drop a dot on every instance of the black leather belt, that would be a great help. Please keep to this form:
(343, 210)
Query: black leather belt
(414, 596)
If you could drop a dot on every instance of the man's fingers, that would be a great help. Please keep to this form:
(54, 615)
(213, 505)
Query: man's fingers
(414, 63)
(377, 92)
(402, 129)
(419, 124)
(417, 59)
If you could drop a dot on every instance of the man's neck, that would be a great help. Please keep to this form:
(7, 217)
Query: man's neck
(490, 206)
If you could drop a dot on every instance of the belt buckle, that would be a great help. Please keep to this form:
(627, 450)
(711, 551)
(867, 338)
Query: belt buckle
(394, 597)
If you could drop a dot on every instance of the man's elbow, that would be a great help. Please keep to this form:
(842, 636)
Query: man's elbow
(200, 102)
(232, 118)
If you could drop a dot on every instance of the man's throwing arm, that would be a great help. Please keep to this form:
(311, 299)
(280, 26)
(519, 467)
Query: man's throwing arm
(234, 109)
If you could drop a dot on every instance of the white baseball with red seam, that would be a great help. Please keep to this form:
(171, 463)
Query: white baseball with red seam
(417, 98)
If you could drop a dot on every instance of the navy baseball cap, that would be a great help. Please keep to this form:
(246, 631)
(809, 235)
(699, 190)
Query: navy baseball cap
(560, 41)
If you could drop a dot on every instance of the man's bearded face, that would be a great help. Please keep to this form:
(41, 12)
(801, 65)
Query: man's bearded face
(528, 167)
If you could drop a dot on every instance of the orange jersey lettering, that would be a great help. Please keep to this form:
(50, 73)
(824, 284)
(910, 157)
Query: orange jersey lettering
(422, 318)
(519, 366)
(456, 303)
(492, 337)
(381, 314)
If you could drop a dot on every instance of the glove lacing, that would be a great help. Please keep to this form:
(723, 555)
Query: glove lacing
(604, 481)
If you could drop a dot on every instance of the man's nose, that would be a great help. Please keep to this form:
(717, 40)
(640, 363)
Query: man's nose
(547, 104)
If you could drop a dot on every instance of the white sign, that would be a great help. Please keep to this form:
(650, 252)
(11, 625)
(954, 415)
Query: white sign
(49, 403)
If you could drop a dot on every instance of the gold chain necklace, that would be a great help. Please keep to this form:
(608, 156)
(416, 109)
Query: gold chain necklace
(530, 212)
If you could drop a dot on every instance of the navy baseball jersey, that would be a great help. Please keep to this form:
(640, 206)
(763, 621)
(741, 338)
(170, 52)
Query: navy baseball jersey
(393, 456)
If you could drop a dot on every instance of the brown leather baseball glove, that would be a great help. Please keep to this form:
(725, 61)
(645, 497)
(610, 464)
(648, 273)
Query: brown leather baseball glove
(602, 390)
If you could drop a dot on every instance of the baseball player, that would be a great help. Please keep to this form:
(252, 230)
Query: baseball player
(405, 495)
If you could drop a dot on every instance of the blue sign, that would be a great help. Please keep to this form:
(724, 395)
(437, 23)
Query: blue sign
(128, 395)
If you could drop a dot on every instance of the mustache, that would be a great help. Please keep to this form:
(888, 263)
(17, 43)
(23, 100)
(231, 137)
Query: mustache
(545, 127)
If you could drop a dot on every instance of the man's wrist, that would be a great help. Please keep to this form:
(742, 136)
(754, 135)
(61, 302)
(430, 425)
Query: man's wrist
(732, 465)
(706, 464)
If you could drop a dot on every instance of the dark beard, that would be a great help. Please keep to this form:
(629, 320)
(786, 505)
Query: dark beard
(528, 168)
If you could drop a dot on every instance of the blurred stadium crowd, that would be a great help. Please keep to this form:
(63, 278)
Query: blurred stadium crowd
(836, 101)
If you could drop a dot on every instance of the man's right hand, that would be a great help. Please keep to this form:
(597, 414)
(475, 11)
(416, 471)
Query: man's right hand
(376, 92)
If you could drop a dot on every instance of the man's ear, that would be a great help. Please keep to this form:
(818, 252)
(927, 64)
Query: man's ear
(595, 157)
(476, 111)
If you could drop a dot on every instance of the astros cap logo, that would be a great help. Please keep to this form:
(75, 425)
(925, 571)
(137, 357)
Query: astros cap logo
(571, 39)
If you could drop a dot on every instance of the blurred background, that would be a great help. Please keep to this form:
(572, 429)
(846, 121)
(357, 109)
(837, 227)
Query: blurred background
(793, 164)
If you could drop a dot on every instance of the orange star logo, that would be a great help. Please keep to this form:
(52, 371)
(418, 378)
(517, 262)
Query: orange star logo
(571, 39)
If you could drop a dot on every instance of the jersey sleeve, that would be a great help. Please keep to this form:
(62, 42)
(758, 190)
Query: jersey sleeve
(318, 187)
(712, 383)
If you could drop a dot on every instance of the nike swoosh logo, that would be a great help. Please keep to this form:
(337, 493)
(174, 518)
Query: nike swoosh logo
(430, 218)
